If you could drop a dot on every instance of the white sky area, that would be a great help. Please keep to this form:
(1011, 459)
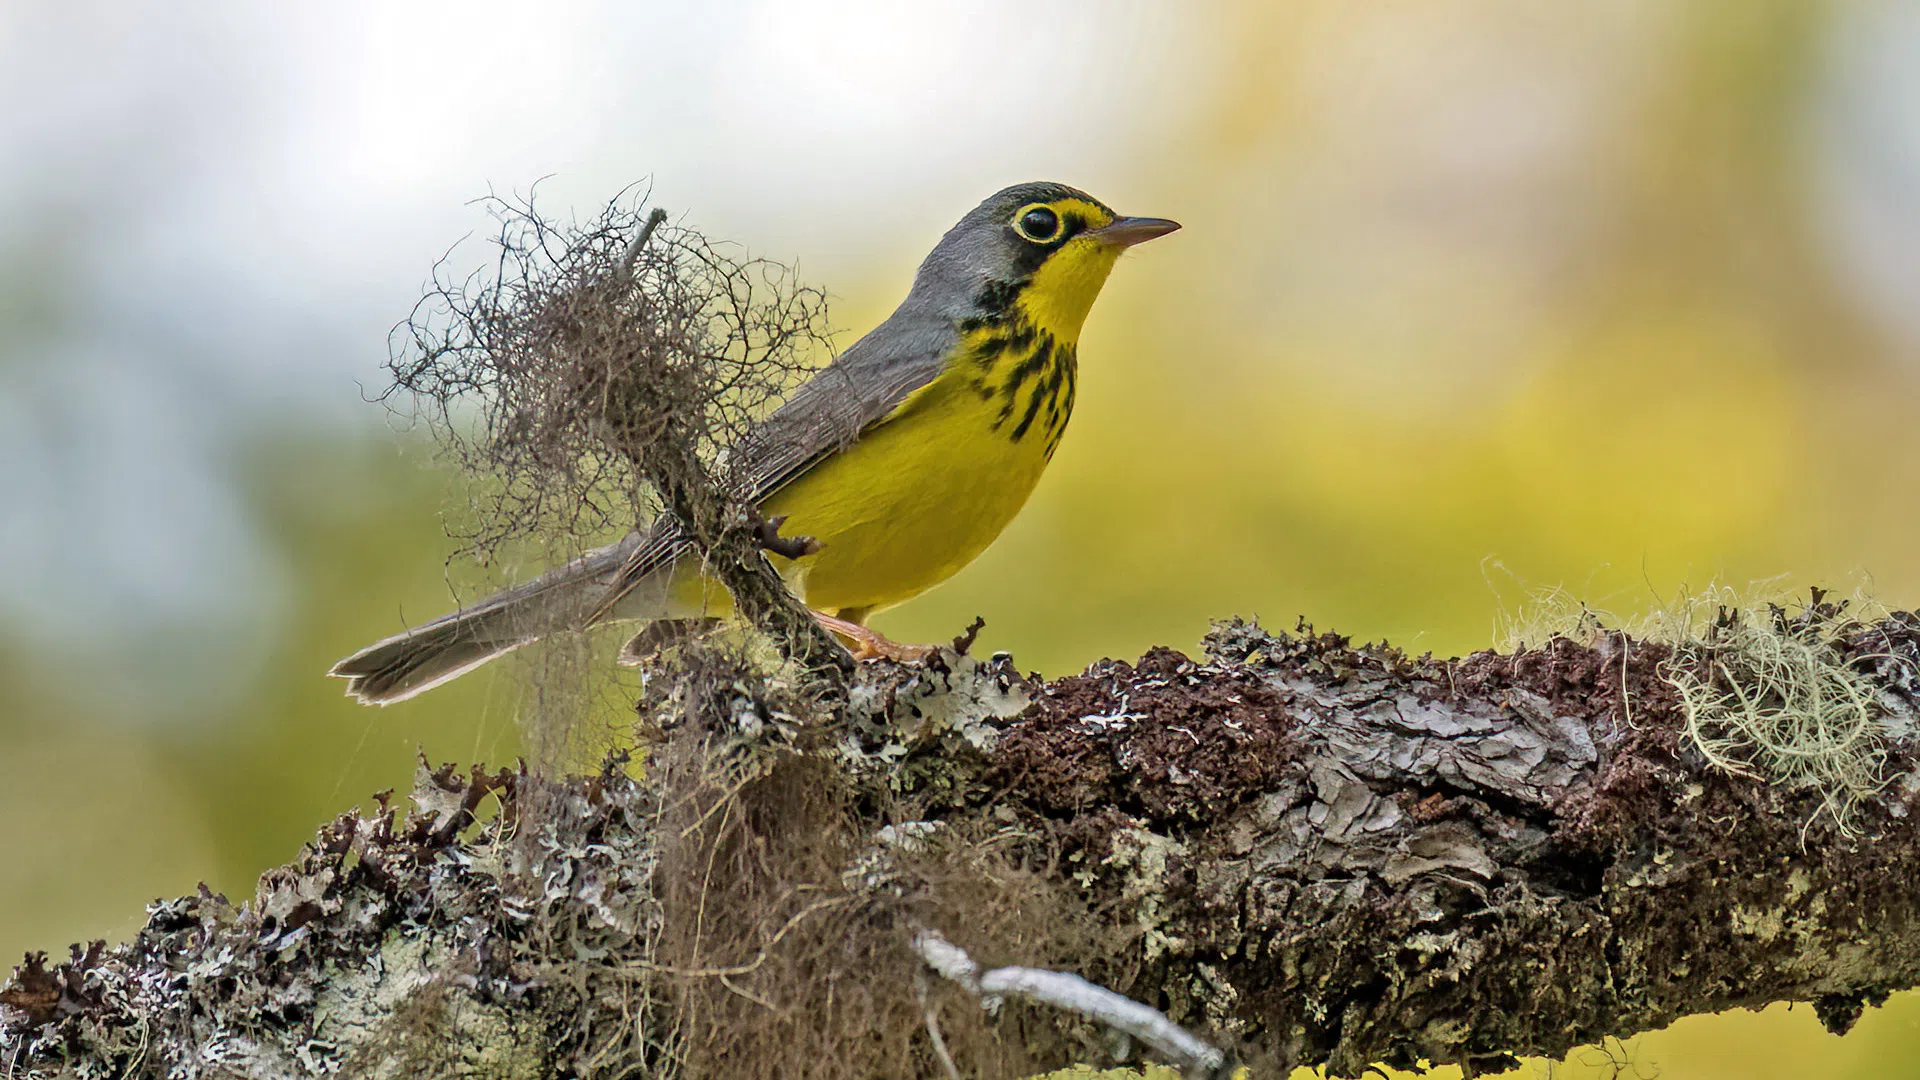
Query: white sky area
(212, 214)
(1867, 132)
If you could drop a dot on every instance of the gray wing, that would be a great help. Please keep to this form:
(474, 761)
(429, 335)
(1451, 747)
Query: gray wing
(834, 408)
(825, 414)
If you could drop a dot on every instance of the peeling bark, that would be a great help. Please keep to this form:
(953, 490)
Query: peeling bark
(1309, 852)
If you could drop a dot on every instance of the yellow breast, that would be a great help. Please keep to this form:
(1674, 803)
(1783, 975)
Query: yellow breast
(924, 492)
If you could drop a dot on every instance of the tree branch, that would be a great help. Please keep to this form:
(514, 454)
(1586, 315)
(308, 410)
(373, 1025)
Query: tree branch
(1306, 852)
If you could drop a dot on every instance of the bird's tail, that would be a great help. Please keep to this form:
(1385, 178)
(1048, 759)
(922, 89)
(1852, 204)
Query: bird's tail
(419, 659)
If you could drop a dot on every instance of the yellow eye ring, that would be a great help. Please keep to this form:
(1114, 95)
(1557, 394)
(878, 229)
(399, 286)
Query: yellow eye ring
(1037, 223)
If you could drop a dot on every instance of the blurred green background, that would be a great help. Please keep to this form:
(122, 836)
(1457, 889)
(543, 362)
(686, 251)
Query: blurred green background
(1474, 297)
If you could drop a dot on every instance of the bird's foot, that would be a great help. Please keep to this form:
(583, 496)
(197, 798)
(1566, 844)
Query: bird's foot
(871, 644)
(767, 532)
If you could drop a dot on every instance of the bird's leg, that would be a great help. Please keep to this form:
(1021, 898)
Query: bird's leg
(867, 644)
(871, 644)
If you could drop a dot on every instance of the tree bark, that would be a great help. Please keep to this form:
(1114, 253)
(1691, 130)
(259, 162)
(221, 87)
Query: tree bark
(1307, 852)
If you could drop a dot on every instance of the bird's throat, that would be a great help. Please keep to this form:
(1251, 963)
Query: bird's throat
(1025, 375)
(1061, 292)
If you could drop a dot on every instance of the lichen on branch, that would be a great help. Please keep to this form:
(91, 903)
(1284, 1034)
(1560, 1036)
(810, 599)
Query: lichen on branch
(1304, 851)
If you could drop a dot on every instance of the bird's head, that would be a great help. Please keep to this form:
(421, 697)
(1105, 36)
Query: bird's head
(1035, 252)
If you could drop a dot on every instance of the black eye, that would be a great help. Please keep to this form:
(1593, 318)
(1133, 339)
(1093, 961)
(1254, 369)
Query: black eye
(1037, 223)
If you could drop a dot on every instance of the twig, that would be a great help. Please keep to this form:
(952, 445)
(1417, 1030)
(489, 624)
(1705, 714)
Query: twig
(1195, 1058)
(933, 1026)
(965, 641)
(654, 221)
(743, 992)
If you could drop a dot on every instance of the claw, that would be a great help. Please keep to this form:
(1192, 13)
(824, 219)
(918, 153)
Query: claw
(767, 530)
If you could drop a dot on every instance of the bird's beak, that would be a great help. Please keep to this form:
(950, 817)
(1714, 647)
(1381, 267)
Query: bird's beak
(1128, 231)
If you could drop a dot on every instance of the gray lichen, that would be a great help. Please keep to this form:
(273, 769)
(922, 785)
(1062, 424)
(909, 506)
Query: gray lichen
(1317, 853)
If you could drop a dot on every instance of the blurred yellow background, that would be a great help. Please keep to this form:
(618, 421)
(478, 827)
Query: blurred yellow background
(1474, 297)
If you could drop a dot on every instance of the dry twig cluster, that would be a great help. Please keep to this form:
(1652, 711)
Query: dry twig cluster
(596, 359)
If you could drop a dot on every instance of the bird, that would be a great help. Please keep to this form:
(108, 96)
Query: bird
(901, 460)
